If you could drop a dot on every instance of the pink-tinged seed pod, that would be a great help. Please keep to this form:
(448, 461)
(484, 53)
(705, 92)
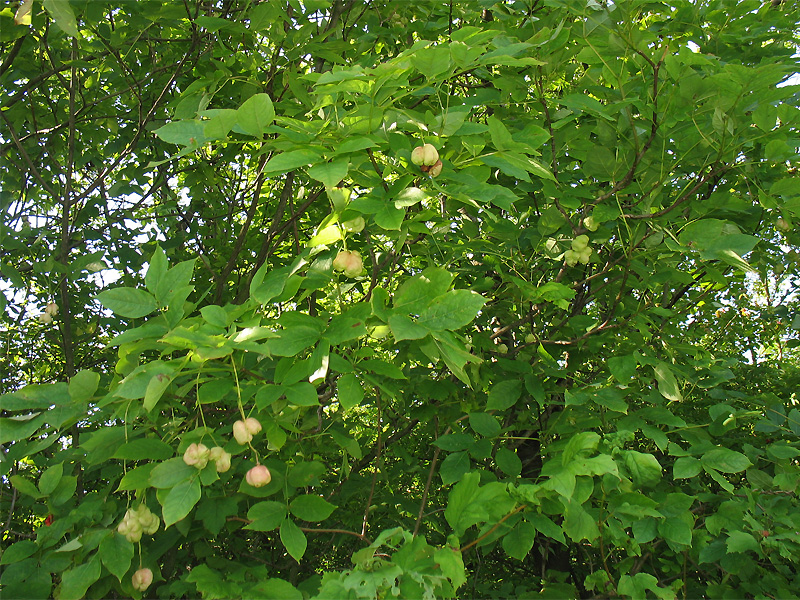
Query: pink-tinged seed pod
(354, 265)
(51, 309)
(258, 476)
(252, 425)
(142, 579)
(196, 455)
(436, 169)
(341, 261)
(241, 434)
(222, 459)
(425, 155)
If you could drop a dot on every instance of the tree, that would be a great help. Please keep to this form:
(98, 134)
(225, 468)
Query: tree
(256, 345)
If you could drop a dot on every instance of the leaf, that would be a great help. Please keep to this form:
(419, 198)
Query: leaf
(292, 341)
(293, 539)
(519, 541)
(83, 385)
(740, 541)
(155, 389)
(289, 161)
(116, 553)
(623, 368)
(403, 328)
(180, 500)
(451, 564)
(188, 133)
(637, 586)
(132, 303)
(61, 12)
(676, 530)
(484, 424)
(23, 14)
(459, 512)
(579, 524)
(75, 582)
(150, 448)
(266, 516)
(50, 478)
(25, 486)
(686, 467)
(255, 114)
(451, 311)
(504, 395)
(215, 315)
(667, 384)
(311, 507)
(349, 391)
(644, 468)
(725, 460)
(454, 466)
(302, 394)
(171, 472)
(508, 462)
(18, 551)
(331, 173)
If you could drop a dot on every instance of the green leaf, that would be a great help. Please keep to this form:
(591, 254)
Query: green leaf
(350, 392)
(188, 132)
(667, 384)
(504, 395)
(454, 466)
(676, 530)
(546, 526)
(266, 516)
(302, 394)
(389, 217)
(331, 173)
(311, 507)
(25, 486)
(403, 328)
(508, 462)
(579, 524)
(451, 564)
(451, 311)
(150, 448)
(155, 389)
(643, 468)
(83, 385)
(128, 302)
(293, 539)
(75, 582)
(460, 512)
(292, 341)
(50, 478)
(623, 368)
(61, 12)
(116, 553)
(256, 114)
(637, 586)
(180, 500)
(740, 541)
(170, 473)
(484, 424)
(519, 541)
(289, 161)
(686, 467)
(18, 551)
(725, 460)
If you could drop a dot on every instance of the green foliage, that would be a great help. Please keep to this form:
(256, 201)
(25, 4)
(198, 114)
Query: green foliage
(568, 367)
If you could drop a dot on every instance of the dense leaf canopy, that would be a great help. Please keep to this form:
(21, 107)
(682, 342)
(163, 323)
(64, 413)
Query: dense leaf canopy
(254, 344)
